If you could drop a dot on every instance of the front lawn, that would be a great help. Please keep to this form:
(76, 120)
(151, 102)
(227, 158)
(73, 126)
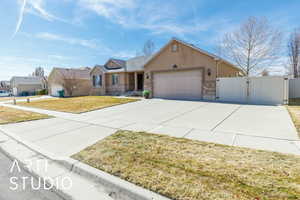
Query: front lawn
(77, 104)
(192, 170)
(11, 115)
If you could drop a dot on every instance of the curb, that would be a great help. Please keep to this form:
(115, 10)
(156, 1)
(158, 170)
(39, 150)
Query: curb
(118, 189)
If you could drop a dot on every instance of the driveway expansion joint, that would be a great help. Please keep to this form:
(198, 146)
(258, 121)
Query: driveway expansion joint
(183, 113)
(235, 110)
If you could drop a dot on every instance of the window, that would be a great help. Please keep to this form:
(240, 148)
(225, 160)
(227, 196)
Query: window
(174, 48)
(97, 80)
(115, 79)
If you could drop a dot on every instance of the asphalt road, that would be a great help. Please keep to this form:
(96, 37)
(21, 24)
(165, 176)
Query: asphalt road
(13, 186)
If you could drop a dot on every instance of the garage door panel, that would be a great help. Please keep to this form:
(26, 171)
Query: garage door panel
(178, 85)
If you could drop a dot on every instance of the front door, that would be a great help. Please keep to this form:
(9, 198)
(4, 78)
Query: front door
(140, 82)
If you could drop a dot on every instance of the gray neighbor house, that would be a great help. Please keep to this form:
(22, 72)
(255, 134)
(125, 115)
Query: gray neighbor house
(27, 85)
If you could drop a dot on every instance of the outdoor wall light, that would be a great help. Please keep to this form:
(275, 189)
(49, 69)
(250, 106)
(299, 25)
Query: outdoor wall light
(208, 72)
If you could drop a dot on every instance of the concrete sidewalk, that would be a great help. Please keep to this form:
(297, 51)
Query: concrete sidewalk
(67, 178)
(259, 127)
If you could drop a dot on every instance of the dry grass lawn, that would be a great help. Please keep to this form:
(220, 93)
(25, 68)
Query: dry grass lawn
(11, 115)
(188, 170)
(295, 115)
(77, 104)
(294, 110)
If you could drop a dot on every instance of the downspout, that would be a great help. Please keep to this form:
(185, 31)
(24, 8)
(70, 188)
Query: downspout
(126, 78)
(217, 76)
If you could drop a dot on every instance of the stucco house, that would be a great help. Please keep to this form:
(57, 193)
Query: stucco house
(179, 70)
(119, 76)
(27, 85)
(74, 81)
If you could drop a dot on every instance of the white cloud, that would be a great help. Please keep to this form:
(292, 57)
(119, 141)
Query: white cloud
(74, 41)
(38, 7)
(157, 17)
(59, 57)
(20, 20)
(35, 7)
(123, 54)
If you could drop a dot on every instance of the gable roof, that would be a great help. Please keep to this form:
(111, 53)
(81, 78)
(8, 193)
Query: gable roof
(26, 80)
(119, 62)
(195, 48)
(77, 73)
(131, 65)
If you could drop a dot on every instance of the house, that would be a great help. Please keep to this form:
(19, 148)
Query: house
(117, 76)
(27, 85)
(74, 81)
(5, 86)
(179, 70)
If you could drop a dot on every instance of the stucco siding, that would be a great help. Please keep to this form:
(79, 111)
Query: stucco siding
(118, 88)
(99, 90)
(187, 58)
(83, 86)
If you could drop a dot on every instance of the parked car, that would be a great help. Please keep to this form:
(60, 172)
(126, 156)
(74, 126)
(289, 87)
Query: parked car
(4, 93)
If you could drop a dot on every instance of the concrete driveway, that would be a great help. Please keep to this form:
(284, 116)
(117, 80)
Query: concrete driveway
(260, 127)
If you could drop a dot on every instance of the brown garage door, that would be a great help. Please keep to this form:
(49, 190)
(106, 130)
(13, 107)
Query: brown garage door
(178, 85)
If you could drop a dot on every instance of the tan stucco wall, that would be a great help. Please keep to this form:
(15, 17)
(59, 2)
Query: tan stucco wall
(83, 87)
(187, 58)
(98, 90)
(119, 88)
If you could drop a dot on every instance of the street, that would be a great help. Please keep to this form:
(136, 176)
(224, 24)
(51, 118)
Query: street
(12, 189)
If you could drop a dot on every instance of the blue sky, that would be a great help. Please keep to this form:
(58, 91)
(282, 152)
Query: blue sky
(74, 33)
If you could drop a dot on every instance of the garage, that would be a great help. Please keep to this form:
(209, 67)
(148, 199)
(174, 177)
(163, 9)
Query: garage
(55, 88)
(183, 84)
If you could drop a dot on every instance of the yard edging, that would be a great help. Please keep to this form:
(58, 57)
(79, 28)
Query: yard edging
(117, 188)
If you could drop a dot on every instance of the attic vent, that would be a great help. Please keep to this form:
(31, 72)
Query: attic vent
(174, 47)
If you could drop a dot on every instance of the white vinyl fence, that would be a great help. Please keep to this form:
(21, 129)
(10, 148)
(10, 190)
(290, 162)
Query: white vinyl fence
(254, 90)
(294, 88)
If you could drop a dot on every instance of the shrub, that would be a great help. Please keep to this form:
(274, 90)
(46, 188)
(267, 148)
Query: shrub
(146, 94)
(42, 92)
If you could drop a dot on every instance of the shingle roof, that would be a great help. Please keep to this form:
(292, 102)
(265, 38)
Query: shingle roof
(131, 65)
(75, 73)
(137, 63)
(27, 80)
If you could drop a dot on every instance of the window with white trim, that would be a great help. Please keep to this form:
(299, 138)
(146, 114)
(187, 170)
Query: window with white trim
(115, 79)
(97, 80)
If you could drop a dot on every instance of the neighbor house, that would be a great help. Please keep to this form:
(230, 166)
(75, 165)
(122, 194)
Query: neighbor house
(179, 70)
(73, 81)
(5, 86)
(27, 85)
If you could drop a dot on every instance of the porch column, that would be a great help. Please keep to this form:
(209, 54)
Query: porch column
(135, 81)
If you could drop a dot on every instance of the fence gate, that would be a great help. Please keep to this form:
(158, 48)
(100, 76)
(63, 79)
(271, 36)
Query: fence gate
(253, 90)
(294, 91)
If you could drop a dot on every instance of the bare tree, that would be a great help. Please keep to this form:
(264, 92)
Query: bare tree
(149, 48)
(254, 46)
(294, 52)
(39, 71)
(69, 81)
